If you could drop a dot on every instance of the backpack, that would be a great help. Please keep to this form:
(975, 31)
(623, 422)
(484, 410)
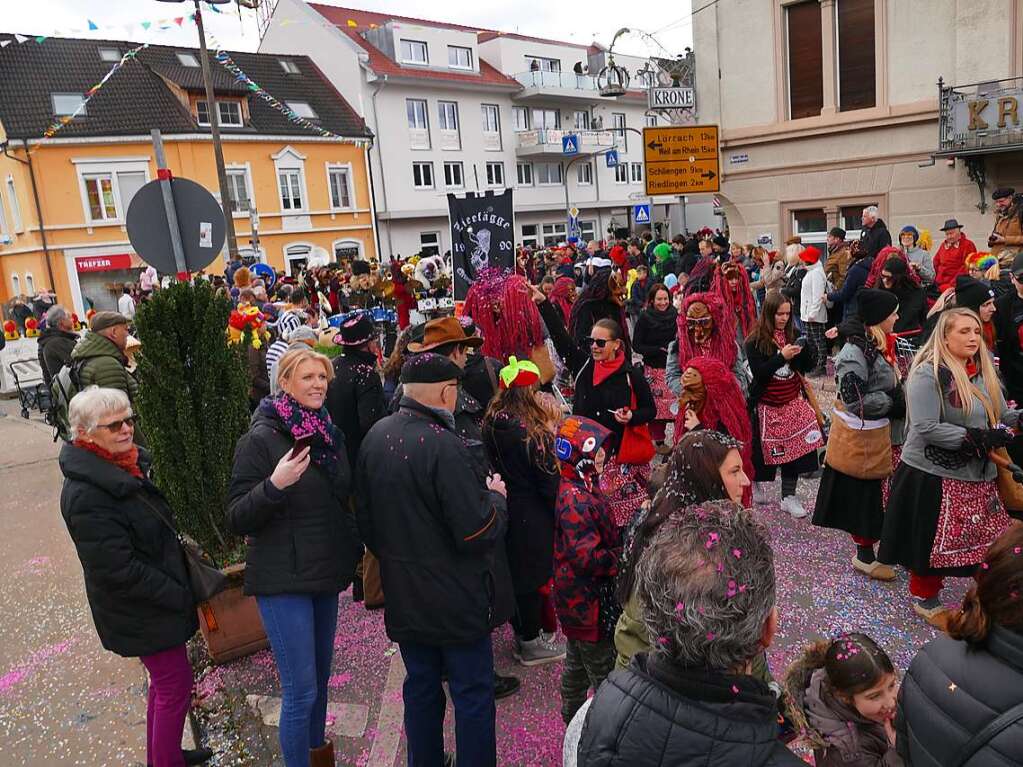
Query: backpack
(65, 385)
(792, 288)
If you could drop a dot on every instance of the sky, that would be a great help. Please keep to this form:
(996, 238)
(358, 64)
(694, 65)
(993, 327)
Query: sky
(661, 34)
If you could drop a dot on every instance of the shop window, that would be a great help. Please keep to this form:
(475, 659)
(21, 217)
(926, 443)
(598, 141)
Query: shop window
(429, 243)
(529, 236)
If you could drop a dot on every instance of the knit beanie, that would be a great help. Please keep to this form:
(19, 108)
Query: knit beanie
(875, 306)
(910, 230)
(971, 293)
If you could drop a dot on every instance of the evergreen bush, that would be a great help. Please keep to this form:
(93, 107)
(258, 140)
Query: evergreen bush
(193, 405)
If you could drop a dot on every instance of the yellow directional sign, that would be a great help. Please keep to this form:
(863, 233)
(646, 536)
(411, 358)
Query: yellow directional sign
(681, 159)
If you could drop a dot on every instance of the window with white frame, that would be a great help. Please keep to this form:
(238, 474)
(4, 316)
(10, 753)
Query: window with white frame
(297, 257)
(107, 192)
(12, 200)
(554, 233)
(414, 52)
(587, 230)
(422, 175)
(240, 190)
(339, 180)
(453, 175)
(109, 54)
(459, 57)
(347, 249)
(16, 284)
(65, 104)
(3, 216)
(187, 59)
(99, 188)
(229, 113)
(491, 117)
(429, 243)
(618, 126)
(30, 284)
(495, 174)
(548, 173)
(542, 64)
(290, 182)
(289, 66)
(650, 121)
(584, 174)
(302, 109)
(447, 112)
(520, 116)
(418, 123)
(546, 118)
(622, 173)
(637, 172)
(529, 236)
(581, 120)
(524, 173)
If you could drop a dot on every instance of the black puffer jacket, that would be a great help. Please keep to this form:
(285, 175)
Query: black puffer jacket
(426, 514)
(478, 382)
(654, 714)
(55, 347)
(355, 398)
(302, 540)
(135, 576)
(953, 691)
(653, 332)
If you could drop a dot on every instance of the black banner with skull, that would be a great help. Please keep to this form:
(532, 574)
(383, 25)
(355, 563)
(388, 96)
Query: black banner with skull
(481, 235)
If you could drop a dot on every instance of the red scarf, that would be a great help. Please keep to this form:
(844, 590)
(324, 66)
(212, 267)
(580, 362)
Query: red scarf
(128, 460)
(890, 346)
(971, 369)
(602, 369)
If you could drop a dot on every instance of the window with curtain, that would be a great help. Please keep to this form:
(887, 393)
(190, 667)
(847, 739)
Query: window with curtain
(806, 59)
(856, 62)
(291, 189)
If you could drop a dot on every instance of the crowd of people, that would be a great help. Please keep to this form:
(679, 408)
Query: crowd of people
(587, 451)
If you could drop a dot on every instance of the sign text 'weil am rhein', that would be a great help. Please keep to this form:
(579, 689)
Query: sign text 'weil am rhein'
(681, 159)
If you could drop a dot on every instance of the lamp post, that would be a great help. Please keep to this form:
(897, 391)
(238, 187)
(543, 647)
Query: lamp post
(218, 150)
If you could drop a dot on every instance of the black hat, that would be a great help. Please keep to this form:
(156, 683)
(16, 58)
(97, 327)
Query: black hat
(971, 293)
(360, 267)
(875, 306)
(355, 331)
(837, 231)
(1017, 266)
(429, 368)
(1002, 192)
(721, 242)
(951, 224)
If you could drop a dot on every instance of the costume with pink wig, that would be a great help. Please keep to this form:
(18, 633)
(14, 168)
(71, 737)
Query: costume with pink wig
(501, 305)
(739, 297)
(877, 267)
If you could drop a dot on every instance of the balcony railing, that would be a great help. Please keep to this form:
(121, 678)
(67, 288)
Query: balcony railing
(550, 140)
(560, 80)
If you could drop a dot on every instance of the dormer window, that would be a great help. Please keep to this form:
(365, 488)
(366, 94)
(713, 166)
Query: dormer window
(459, 58)
(65, 104)
(302, 109)
(289, 67)
(112, 55)
(229, 113)
(414, 52)
(187, 59)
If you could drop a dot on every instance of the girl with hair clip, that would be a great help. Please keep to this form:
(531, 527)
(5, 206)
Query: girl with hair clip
(944, 509)
(959, 686)
(843, 701)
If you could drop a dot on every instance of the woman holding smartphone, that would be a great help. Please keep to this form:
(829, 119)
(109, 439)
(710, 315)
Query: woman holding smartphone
(289, 498)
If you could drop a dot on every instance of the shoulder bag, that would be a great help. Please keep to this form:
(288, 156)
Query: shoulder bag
(989, 733)
(205, 580)
(637, 446)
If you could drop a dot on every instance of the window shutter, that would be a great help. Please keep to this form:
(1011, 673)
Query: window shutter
(806, 60)
(856, 63)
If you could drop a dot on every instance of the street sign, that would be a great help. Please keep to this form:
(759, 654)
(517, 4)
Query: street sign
(671, 98)
(573, 212)
(570, 144)
(612, 158)
(681, 159)
(641, 214)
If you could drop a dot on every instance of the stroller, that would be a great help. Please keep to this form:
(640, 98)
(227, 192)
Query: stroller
(32, 392)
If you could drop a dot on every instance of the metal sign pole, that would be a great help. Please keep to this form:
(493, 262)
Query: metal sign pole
(164, 174)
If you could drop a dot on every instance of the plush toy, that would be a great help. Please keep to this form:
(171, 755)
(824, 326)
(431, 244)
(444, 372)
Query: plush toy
(11, 331)
(76, 324)
(429, 270)
(247, 324)
(31, 327)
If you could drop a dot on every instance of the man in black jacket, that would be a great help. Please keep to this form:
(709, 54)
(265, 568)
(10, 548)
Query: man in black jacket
(355, 398)
(56, 342)
(875, 234)
(707, 590)
(435, 522)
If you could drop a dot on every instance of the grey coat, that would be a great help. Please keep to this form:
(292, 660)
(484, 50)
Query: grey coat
(870, 391)
(924, 263)
(937, 428)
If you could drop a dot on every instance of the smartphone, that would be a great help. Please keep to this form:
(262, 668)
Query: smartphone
(301, 444)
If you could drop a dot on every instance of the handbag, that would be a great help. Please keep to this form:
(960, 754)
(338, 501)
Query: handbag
(204, 578)
(637, 446)
(859, 453)
(1009, 490)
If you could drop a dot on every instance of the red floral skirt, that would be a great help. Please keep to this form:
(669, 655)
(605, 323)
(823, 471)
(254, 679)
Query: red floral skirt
(623, 486)
(665, 399)
(788, 431)
(970, 518)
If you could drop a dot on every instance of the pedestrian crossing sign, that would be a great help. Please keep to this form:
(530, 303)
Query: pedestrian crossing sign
(641, 214)
(570, 144)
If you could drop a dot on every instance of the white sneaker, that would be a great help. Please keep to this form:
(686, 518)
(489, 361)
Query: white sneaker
(762, 493)
(792, 505)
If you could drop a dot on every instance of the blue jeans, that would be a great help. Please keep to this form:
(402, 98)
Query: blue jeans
(470, 672)
(301, 631)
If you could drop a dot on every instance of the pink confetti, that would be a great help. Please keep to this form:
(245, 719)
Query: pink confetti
(679, 607)
(737, 553)
(710, 636)
(1017, 549)
(712, 539)
(735, 690)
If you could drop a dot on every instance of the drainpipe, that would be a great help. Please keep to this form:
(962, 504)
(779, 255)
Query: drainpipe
(383, 176)
(39, 209)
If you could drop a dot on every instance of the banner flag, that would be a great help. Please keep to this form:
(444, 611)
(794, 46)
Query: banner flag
(482, 236)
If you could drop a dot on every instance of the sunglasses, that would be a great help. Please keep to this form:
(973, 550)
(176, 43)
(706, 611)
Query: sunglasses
(600, 343)
(115, 426)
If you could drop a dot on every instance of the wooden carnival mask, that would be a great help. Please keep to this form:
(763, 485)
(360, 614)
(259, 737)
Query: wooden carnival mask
(694, 392)
(699, 322)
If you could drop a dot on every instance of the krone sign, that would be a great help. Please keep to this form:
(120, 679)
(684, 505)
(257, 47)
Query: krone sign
(672, 98)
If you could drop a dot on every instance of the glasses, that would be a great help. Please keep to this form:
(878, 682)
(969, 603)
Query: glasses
(600, 343)
(115, 426)
(886, 277)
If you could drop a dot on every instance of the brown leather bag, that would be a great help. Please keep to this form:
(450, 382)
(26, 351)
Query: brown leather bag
(859, 453)
(372, 588)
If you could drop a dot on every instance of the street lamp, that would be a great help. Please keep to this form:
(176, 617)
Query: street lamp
(218, 150)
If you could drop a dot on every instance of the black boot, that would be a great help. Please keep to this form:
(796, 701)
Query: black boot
(505, 686)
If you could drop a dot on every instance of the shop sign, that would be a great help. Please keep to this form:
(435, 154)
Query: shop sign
(983, 117)
(116, 262)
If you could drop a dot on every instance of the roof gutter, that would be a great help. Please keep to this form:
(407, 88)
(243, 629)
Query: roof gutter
(39, 209)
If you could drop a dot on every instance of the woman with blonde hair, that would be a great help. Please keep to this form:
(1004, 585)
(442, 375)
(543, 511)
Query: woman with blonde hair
(289, 498)
(944, 510)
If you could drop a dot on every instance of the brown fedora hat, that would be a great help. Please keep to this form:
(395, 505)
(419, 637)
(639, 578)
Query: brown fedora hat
(446, 330)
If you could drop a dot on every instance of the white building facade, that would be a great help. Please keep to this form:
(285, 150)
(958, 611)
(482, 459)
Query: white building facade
(826, 106)
(458, 110)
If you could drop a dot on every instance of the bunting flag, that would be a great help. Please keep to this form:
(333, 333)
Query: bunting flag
(92, 25)
(228, 63)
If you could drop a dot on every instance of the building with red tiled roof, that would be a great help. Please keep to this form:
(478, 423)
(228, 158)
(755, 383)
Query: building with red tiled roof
(458, 109)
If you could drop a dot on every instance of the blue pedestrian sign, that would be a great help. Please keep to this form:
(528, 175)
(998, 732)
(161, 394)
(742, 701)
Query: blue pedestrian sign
(641, 214)
(612, 158)
(570, 144)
